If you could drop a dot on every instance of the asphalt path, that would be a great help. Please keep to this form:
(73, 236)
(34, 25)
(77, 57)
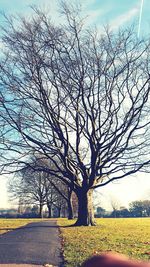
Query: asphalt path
(36, 243)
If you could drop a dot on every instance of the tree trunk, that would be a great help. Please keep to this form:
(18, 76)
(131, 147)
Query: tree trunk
(41, 211)
(59, 210)
(49, 211)
(70, 208)
(85, 208)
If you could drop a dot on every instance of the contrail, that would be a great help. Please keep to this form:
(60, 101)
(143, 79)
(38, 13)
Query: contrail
(140, 17)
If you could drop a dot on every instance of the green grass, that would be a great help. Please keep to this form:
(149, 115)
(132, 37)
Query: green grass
(127, 236)
(11, 224)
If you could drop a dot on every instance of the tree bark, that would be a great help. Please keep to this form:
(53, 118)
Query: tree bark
(41, 211)
(70, 208)
(85, 208)
(59, 211)
(49, 211)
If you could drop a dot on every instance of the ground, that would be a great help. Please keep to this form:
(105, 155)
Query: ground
(128, 236)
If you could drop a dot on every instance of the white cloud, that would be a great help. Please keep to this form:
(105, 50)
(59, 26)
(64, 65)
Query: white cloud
(124, 18)
(93, 16)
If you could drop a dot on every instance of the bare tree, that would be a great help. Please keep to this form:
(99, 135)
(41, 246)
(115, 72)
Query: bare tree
(78, 98)
(30, 188)
(57, 190)
(115, 206)
(58, 195)
(38, 187)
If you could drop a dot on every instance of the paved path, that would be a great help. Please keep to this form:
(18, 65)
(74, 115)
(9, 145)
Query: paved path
(35, 243)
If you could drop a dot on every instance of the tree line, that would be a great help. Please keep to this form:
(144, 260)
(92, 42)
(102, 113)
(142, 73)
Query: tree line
(39, 189)
(138, 208)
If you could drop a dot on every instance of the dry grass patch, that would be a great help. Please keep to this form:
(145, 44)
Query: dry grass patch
(128, 236)
(11, 224)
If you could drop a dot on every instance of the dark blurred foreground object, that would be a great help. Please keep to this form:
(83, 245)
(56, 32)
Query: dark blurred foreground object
(113, 260)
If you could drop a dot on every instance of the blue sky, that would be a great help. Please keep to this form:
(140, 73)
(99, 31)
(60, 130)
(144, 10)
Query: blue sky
(117, 13)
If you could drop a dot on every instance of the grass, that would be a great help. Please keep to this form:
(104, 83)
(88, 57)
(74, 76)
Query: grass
(11, 224)
(127, 236)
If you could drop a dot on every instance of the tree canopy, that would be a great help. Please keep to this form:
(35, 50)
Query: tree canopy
(77, 97)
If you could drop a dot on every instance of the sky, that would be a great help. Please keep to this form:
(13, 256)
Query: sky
(116, 13)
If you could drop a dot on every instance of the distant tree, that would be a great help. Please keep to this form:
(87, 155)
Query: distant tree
(61, 205)
(60, 193)
(78, 98)
(57, 190)
(115, 207)
(33, 186)
(136, 208)
(29, 187)
(35, 210)
(123, 212)
(20, 206)
(100, 212)
(56, 196)
(140, 208)
(146, 207)
(28, 211)
(50, 198)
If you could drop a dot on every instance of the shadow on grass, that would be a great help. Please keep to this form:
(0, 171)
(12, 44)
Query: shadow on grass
(67, 226)
(28, 226)
(24, 227)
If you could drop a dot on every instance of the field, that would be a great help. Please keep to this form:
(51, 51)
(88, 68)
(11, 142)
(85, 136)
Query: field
(127, 236)
(11, 224)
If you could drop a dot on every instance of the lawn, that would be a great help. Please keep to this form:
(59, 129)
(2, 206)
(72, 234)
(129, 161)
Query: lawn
(127, 236)
(11, 224)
